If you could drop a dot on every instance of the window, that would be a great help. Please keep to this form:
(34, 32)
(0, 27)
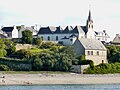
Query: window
(71, 39)
(88, 52)
(56, 38)
(48, 38)
(91, 52)
(97, 52)
(42, 37)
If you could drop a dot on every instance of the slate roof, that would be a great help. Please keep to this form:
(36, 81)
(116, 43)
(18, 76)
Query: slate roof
(45, 30)
(73, 35)
(84, 28)
(58, 30)
(68, 29)
(91, 44)
(2, 36)
(7, 29)
(77, 29)
(102, 32)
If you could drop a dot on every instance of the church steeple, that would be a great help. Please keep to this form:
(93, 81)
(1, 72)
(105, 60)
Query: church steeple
(89, 20)
(89, 27)
(89, 16)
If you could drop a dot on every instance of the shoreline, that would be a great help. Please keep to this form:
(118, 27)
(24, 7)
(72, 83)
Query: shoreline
(52, 79)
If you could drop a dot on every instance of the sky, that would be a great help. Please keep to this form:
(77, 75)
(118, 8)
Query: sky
(105, 13)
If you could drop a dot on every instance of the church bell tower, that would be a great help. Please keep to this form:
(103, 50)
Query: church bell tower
(89, 27)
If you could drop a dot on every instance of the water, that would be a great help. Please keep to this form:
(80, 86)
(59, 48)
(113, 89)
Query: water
(63, 87)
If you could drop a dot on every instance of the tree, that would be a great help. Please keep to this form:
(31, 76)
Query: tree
(38, 41)
(2, 48)
(10, 47)
(27, 37)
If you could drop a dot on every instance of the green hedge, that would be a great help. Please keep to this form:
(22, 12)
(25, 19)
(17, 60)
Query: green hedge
(103, 69)
(16, 64)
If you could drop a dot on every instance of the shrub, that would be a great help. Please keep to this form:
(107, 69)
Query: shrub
(103, 69)
(4, 68)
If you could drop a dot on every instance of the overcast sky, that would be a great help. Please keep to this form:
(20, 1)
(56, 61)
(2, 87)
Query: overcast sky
(105, 13)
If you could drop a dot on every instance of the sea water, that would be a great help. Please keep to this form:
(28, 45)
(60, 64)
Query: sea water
(63, 87)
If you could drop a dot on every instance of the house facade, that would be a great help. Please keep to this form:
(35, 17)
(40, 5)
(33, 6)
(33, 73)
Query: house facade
(11, 32)
(23, 28)
(93, 50)
(68, 35)
(102, 36)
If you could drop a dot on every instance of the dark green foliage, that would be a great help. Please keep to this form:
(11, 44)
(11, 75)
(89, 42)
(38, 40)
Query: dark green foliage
(52, 62)
(103, 69)
(16, 64)
(27, 37)
(37, 64)
(3, 52)
(38, 41)
(4, 68)
(10, 47)
(113, 54)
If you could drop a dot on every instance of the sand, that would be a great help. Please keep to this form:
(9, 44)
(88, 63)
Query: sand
(31, 79)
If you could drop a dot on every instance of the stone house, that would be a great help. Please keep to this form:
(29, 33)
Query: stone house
(93, 50)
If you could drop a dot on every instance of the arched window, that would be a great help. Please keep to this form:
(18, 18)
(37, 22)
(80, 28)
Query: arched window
(97, 52)
(48, 38)
(42, 37)
(88, 52)
(56, 38)
(91, 52)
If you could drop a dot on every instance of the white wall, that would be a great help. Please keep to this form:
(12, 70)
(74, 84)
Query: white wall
(15, 32)
(60, 36)
(97, 59)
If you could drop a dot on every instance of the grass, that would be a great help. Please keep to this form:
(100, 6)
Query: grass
(33, 72)
(37, 50)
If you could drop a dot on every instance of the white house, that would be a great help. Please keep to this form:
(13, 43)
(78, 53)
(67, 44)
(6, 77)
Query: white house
(102, 36)
(93, 50)
(26, 28)
(68, 35)
(11, 32)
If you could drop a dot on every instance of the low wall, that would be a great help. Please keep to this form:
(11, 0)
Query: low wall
(79, 68)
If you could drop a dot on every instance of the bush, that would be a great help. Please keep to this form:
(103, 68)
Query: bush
(103, 69)
(16, 64)
(4, 68)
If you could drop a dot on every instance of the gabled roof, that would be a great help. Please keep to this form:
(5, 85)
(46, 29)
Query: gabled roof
(58, 30)
(77, 29)
(73, 35)
(68, 29)
(2, 36)
(52, 29)
(84, 28)
(45, 30)
(91, 44)
(116, 39)
(102, 33)
(7, 29)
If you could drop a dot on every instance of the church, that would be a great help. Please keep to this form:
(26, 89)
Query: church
(68, 35)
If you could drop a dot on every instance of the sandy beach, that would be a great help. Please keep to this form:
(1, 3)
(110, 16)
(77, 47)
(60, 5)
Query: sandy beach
(28, 79)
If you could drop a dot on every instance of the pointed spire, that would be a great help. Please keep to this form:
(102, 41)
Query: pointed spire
(89, 17)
